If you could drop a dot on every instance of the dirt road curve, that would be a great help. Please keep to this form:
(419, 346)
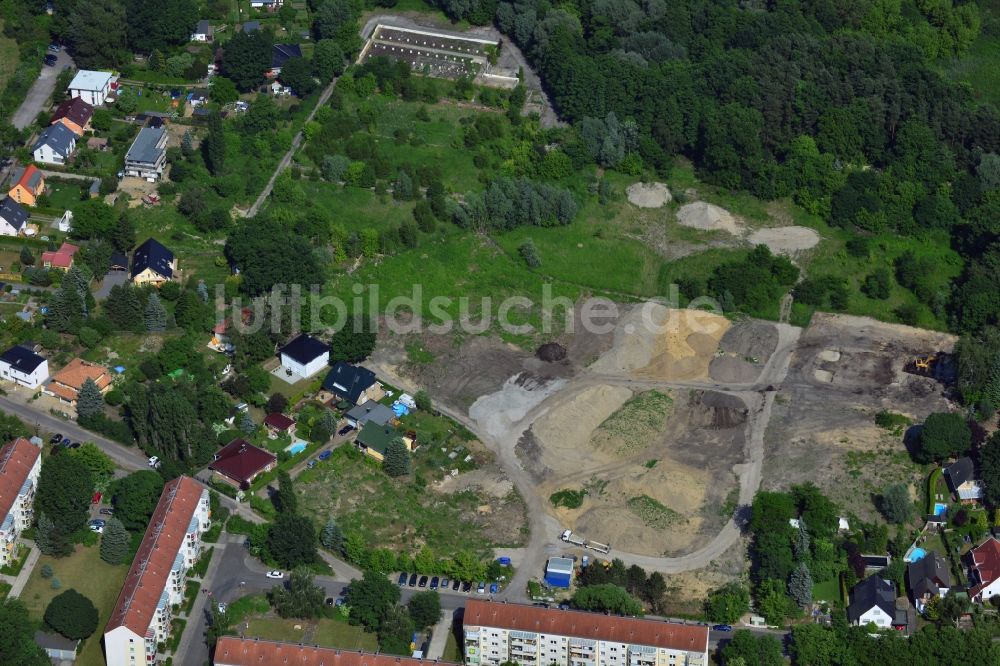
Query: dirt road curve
(758, 396)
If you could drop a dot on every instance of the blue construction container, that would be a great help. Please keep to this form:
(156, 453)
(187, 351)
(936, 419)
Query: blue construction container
(559, 572)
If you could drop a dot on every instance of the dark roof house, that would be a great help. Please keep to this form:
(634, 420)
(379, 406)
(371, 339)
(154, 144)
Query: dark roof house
(304, 349)
(374, 412)
(959, 472)
(348, 381)
(75, 110)
(119, 261)
(58, 137)
(154, 256)
(278, 422)
(376, 438)
(241, 461)
(22, 359)
(251, 26)
(13, 213)
(280, 53)
(873, 592)
(928, 575)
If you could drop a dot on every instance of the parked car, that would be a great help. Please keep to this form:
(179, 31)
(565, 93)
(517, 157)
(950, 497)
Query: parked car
(563, 606)
(154, 461)
(107, 512)
(466, 586)
(444, 583)
(346, 429)
(434, 582)
(402, 579)
(423, 582)
(481, 587)
(222, 607)
(722, 627)
(456, 585)
(312, 463)
(74, 445)
(494, 588)
(51, 59)
(339, 601)
(276, 575)
(504, 561)
(67, 442)
(98, 529)
(55, 48)
(96, 499)
(325, 455)
(100, 522)
(413, 580)
(56, 438)
(329, 601)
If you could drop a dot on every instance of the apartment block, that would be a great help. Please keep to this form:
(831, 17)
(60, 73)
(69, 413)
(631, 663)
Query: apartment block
(234, 651)
(20, 465)
(495, 633)
(155, 582)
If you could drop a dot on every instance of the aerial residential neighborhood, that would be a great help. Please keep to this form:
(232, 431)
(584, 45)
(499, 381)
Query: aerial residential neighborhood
(499, 332)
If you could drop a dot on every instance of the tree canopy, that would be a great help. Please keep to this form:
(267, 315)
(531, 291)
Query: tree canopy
(17, 636)
(291, 540)
(246, 58)
(65, 487)
(944, 434)
(72, 615)
(371, 599)
(302, 598)
(135, 497)
(606, 597)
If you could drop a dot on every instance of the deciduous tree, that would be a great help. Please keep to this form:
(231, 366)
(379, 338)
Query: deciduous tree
(302, 599)
(291, 540)
(72, 615)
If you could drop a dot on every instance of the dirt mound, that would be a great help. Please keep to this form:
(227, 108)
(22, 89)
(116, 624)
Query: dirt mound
(719, 410)
(648, 195)
(709, 217)
(749, 337)
(785, 240)
(498, 412)
(564, 431)
(733, 370)
(656, 342)
(551, 352)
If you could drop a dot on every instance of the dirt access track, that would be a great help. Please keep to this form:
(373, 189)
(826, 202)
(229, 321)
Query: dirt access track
(552, 426)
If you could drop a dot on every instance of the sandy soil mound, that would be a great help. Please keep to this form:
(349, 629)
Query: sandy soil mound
(785, 240)
(648, 195)
(654, 341)
(564, 431)
(750, 337)
(498, 412)
(733, 370)
(709, 217)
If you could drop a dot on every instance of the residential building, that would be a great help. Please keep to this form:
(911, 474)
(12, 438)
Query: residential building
(153, 263)
(984, 570)
(251, 26)
(23, 366)
(961, 478)
(155, 581)
(236, 651)
(20, 465)
(29, 184)
(202, 32)
(374, 440)
(374, 412)
(873, 601)
(93, 87)
(119, 262)
(280, 53)
(55, 145)
(279, 424)
(66, 383)
(352, 384)
(197, 98)
(75, 114)
(61, 258)
(533, 636)
(239, 462)
(147, 156)
(304, 356)
(13, 217)
(57, 647)
(928, 577)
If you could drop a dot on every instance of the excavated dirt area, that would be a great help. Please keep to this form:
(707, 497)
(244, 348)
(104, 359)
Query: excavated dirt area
(709, 217)
(654, 342)
(660, 496)
(743, 352)
(785, 240)
(822, 428)
(648, 195)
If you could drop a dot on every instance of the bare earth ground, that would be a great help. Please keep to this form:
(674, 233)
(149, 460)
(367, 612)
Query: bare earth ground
(845, 370)
(648, 195)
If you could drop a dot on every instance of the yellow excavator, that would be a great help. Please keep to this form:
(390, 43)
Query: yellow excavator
(926, 365)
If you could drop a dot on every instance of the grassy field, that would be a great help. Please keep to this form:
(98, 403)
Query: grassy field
(65, 194)
(89, 575)
(652, 512)
(634, 424)
(9, 58)
(828, 591)
(325, 632)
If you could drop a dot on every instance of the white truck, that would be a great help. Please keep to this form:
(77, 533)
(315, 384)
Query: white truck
(568, 537)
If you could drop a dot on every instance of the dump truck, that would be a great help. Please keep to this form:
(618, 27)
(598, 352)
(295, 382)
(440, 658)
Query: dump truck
(599, 547)
(569, 537)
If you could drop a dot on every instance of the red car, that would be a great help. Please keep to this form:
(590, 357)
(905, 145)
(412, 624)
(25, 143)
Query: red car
(96, 499)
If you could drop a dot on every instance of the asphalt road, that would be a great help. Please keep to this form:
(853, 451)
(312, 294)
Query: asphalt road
(41, 90)
(46, 424)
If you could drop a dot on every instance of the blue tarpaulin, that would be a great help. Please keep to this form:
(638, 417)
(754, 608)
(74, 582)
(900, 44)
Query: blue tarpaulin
(399, 409)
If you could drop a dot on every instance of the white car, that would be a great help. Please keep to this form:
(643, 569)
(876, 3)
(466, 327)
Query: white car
(222, 607)
(277, 575)
(154, 461)
(99, 529)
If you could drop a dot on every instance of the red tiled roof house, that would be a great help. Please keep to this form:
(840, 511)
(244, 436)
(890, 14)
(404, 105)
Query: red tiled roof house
(239, 462)
(66, 383)
(155, 581)
(984, 573)
(61, 258)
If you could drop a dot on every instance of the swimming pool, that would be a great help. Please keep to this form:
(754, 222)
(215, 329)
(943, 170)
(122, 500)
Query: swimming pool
(916, 555)
(298, 446)
(939, 508)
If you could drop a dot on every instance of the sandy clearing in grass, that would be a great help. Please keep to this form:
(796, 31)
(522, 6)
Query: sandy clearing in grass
(709, 217)
(648, 195)
(785, 240)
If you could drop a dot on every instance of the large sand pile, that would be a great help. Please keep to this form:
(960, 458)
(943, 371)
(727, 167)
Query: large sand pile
(648, 195)
(564, 431)
(785, 240)
(709, 217)
(654, 341)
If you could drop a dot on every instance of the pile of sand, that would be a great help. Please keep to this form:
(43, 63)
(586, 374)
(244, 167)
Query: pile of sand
(497, 412)
(656, 342)
(648, 195)
(785, 240)
(564, 431)
(709, 217)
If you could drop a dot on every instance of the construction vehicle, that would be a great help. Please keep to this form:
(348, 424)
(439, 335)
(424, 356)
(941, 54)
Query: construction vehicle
(938, 366)
(569, 537)
(599, 547)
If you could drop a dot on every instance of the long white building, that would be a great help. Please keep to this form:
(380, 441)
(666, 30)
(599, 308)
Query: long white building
(531, 636)
(20, 465)
(155, 582)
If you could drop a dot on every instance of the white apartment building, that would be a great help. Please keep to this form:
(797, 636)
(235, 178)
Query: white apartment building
(155, 582)
(20, 465)
(531, 636)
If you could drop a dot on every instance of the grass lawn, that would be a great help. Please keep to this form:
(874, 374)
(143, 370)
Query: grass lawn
(828, 591)
(9, 59)
(89, 575)
(65, 195)
(452, 652)
(325, 632)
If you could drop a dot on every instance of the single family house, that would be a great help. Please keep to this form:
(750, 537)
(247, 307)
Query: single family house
(61, 258)
(304, 356)
(239, 462)
(961, 478)
(374, 439)
(23, 366)
(873, 601)
(66, 384)
(352, 384)
(280, 53)
(152, 263)
(13, 217)
(928, 577)
(278, 424)
(202, 32)
(58, 648)
(55, 145)
(29, 184)
(92, 87)
(374, 412)
(269, 5)
(147, 156)
(984, 570)
(74, 114)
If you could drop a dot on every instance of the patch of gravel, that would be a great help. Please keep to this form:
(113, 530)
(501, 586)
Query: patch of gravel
(709, 217)
(785, 240)
(649, 195)
(732, 370)
(749, 337)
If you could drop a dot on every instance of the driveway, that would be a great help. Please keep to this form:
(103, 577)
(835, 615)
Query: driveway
(113, 278)
(41, 90)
